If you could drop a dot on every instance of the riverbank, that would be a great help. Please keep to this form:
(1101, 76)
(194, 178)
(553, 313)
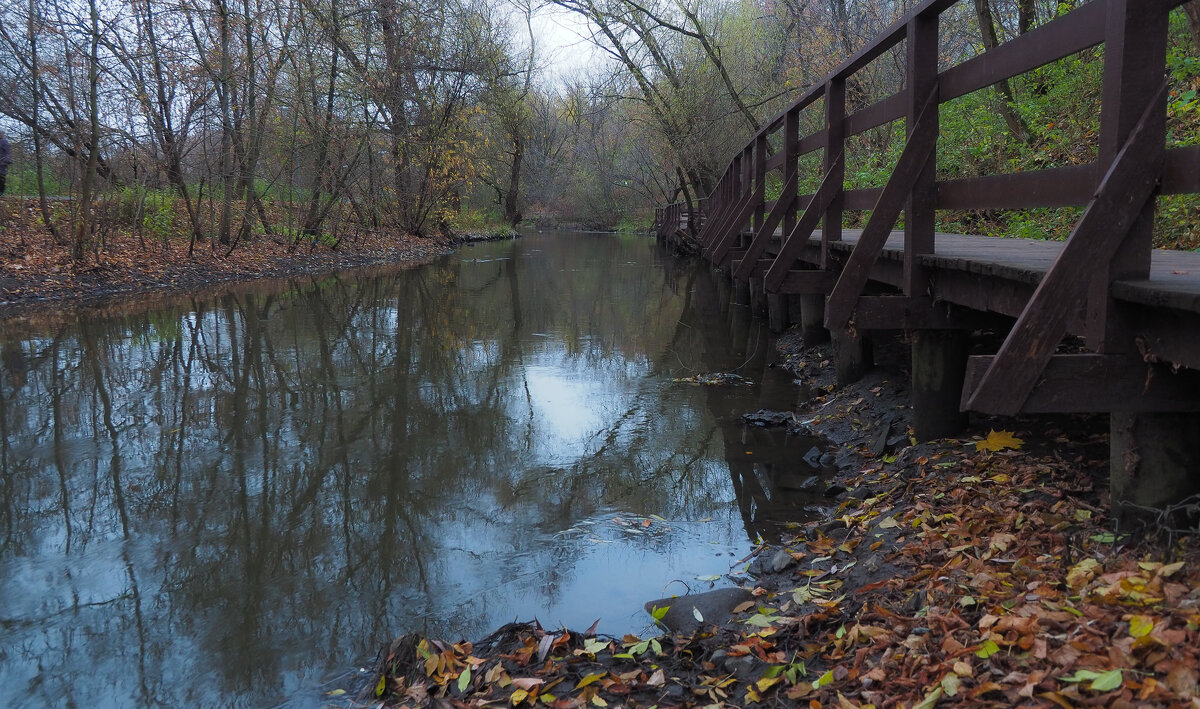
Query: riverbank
(37, 274)
(982, 570)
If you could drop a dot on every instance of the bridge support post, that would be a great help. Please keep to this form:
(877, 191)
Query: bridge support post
(852, 356)
(777, 312)
(812, 319)
(939, 367)
(794, 309)
(741, 292)
(740, 328)
(758, 297)
(1152, 463)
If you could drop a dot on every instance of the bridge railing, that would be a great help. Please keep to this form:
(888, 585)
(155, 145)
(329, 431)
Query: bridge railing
(1112, 240)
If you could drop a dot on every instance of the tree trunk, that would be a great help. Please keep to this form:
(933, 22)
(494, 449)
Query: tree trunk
(987, 30)
(315, 215)
(512, 215)
(83, 222)
(38, 160)
(1026, 15)
(224, 89)
(1192, 10)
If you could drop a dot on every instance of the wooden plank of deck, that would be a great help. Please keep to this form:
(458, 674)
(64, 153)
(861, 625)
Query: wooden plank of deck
(1174, 275)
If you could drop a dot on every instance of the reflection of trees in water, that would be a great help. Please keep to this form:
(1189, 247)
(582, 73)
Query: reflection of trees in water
(766, 466)
(282, 470)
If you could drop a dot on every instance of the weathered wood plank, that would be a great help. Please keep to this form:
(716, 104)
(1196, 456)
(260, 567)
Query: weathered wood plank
(835, 166)
(731, 228)
(1075, 31)
(1182, 173)
(913, 160)
(865, 198)
(739, 260)
(922, 80)
(790, 249)
(1057, 187)
(1069, 385)
(762, 237)
(791, 142)
(1119, 199)
(810, 143)
(1134, 68)
(889, 109)
(900, 312)
(799, 281)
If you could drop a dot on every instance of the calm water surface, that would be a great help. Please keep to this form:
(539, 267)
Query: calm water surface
(236, 498)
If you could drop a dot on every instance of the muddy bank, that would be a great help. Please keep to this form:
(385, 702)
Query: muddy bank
(980, 570)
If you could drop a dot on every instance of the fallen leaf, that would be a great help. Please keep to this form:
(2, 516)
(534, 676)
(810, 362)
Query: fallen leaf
(998, 441)
(987, 649)
(1107, 681)
(766, 683)
(589, 679)
(930, 700)
(1081, 573)
(950, 684)
(1140, 625)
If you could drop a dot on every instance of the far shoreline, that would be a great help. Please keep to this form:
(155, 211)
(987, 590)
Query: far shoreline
(122, 277)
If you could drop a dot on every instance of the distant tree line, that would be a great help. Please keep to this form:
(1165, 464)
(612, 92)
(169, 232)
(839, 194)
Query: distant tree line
(292, 117)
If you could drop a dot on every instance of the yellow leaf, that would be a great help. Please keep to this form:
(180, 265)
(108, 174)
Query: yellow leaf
(1140, 625)
(766, 683)
(1170, 569)
(1081, 573)
(823, 680)
(888, 523)
(998, 441)
(589, 679)
(518, 697)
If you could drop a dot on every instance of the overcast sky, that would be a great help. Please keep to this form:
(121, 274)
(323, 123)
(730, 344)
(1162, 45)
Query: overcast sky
(562, 41)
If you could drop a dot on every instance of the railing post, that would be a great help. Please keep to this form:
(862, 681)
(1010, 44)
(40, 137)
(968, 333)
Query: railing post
(1135, 47)
(835, 139)
(791, 159)
(922, 78)
(760, 179)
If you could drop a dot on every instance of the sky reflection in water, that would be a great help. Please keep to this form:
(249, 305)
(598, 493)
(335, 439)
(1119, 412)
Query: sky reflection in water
(227, 500)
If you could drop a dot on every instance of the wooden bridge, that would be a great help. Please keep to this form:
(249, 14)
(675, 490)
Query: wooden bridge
(1137, 309)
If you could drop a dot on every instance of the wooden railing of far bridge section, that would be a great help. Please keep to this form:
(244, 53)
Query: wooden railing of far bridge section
(1137, 308)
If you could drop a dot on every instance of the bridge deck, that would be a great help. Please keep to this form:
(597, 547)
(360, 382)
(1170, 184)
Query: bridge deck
(1174, 275)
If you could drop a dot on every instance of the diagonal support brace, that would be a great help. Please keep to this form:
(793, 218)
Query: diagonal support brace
(1128, 185)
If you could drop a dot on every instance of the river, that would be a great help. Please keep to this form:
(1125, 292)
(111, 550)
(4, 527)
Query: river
(233, 499)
